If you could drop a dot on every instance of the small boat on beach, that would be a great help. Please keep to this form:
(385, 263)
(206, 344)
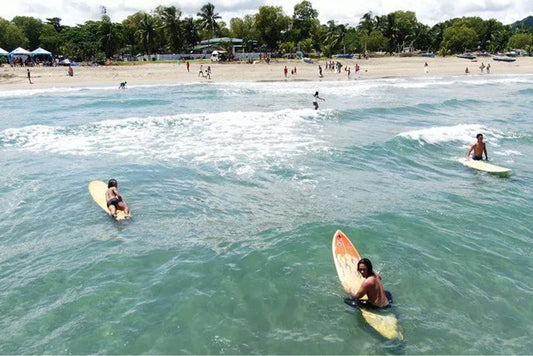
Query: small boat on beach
(466, 56)
(504, 59)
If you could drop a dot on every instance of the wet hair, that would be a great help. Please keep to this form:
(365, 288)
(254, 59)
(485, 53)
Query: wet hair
(112, 183)
(367, 264)
(477, 136)
(316, 93)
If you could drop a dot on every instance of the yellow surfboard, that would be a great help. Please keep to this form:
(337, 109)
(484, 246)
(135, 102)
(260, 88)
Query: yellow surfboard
(97, 189)
(346, 258)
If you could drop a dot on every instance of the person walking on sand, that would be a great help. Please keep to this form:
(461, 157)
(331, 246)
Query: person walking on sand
(481, 67)
(29, 76)
(285, 71)
(488, 68)
(479, 148)
(70, 71)
(320, 71)
(188, 65)
(467, 71)
(426, 68)
(315, 100)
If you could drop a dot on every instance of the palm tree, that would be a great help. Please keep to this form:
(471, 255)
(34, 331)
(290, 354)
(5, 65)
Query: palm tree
(367, 23)
(209, 18)
(336, 35)
(171, 26)
(147, 33)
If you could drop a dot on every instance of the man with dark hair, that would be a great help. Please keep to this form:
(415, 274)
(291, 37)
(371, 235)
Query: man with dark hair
(479, 148)
(371, 287)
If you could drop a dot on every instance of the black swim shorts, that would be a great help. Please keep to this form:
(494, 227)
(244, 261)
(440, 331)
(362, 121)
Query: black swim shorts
(114, 201)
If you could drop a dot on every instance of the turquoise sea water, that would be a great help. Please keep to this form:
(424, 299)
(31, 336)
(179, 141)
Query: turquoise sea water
(236, 191)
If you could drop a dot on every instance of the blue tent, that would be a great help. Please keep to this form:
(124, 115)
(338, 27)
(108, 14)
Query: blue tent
(41, 52)
(18, 52)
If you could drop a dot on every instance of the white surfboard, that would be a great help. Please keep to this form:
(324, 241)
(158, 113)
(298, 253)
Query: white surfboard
(483, 166)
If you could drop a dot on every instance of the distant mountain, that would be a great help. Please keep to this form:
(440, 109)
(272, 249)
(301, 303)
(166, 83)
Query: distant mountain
(527, 22)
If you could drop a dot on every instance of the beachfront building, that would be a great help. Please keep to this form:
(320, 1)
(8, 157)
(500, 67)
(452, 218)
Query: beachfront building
(217, 44)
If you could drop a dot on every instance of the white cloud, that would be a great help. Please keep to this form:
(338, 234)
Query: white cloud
(73, 12)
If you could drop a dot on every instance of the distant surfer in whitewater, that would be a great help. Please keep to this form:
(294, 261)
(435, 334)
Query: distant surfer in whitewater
(479, 148)
(315, 100)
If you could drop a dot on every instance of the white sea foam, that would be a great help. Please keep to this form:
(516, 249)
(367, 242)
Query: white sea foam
(464, 133)
(239, 140)
(348, 88)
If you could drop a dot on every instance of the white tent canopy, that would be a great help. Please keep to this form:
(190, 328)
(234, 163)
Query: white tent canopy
(3, 52)
(19, 51)
(41, 51)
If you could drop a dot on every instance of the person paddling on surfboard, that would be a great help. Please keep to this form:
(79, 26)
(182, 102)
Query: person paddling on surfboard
(114, 199)
(371, 287)
(479, 148)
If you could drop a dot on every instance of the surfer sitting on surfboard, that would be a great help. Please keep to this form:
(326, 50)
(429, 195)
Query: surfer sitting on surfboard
(478, 148)
(371, 286)
(114, 200)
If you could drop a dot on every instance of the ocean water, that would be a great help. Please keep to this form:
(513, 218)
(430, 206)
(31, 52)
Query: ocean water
(236, 191)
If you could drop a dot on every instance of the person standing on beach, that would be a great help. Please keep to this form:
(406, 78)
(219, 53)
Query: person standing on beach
(29, 77)
(488, 68)
(479, 148)
(320, 71)
(426, 68)
(70, 71)
(315, 100)
(188, 66)
(285, 71)
(481, 67)
(467, 71)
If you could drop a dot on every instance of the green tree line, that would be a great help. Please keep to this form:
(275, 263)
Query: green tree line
(166, 30)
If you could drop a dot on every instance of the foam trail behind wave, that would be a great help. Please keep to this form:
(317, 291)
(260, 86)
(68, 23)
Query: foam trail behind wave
(465, 133)
(238, 137)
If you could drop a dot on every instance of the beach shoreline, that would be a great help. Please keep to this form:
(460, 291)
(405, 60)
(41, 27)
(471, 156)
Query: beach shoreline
(144, 73)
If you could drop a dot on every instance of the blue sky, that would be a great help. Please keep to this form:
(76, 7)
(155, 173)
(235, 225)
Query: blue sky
(430, 12)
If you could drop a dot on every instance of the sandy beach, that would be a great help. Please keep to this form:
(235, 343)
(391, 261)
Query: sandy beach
(168, 73)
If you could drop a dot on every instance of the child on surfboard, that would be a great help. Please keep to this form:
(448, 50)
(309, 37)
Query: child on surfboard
(479, 148)
(114, 199)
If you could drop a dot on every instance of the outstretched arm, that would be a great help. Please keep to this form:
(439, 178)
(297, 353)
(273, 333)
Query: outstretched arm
(485, 150)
